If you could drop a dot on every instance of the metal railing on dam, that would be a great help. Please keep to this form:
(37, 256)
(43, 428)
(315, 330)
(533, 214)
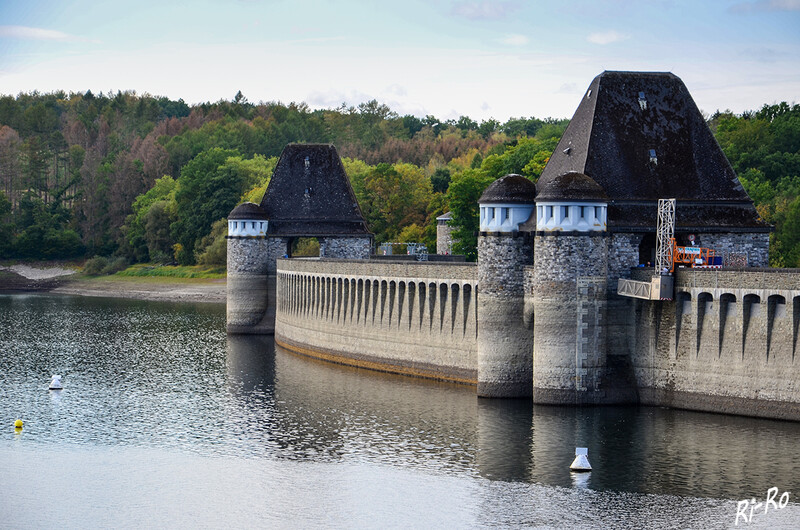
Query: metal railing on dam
(412, 318)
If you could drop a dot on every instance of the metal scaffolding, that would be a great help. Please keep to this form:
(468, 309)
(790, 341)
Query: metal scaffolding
(665, 232)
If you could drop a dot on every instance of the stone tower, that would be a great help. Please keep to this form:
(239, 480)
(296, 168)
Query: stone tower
(309, 195)
(568, 290)
(247, 270)
(505, 342)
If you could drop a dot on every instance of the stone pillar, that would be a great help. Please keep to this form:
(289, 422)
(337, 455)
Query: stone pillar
(569, 305)
(248, 298)
(505, 342)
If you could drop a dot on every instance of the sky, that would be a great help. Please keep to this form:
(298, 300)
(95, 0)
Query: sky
(447, 58)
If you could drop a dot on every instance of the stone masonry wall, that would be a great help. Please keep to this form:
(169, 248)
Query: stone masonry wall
(444, 239)
(246, 255)
(345, 247)
(247, 285)
(568, 293)
(505, 340)
(727, 343)
(404, 317)
(623, 253)
(755, 246)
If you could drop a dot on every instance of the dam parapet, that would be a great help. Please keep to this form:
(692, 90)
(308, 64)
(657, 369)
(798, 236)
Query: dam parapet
(413, 318)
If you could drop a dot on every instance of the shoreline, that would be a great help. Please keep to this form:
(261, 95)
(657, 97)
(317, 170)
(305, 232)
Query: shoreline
(68, 282)
(148, 289)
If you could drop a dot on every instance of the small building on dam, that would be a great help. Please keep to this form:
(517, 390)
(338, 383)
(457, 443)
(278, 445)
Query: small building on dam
(564, 305)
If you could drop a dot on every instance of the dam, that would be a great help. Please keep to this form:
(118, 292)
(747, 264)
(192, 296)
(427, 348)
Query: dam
(541, 314)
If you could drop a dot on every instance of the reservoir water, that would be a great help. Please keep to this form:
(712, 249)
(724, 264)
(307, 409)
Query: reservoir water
(164, 421)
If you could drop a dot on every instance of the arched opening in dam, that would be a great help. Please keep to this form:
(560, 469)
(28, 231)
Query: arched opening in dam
(303, 247)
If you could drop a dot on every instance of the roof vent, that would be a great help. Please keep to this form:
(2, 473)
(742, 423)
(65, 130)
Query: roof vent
(642, 101)
(567, 150)
(589, 93)
(653, 157)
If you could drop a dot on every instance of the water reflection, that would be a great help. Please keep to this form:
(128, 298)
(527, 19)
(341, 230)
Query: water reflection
(154, 376)
(504, 439)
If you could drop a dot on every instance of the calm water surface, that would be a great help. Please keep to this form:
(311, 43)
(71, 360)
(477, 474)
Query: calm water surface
(164, 421)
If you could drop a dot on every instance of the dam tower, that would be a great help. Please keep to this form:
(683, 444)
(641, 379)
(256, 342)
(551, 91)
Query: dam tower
(568, 290)
(248, 261)
(505, 341)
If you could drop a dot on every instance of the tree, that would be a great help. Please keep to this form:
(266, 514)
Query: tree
(135, 227)
(463, 194)
(440, 180)
(397, 196)
(6, 227)
(209, 187)
(157, 223)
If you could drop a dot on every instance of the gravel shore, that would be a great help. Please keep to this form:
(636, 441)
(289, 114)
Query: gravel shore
(165, 290)
(66, 281)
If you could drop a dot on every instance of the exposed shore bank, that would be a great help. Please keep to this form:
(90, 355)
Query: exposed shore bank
(60, 280)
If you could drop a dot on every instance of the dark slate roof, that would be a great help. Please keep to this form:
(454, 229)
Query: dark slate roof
(247, 210)
(509, 189)
(445, 216)
(572, 186)
(610, 139)
(310, 195)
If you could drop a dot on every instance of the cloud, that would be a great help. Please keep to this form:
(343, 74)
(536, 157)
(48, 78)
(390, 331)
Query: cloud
(484, 10)
(396, 90)
(567, 88)
(766, 5)
(764, 55)
(515, 39)
(24, 32)
(332, 99)
(606, 37)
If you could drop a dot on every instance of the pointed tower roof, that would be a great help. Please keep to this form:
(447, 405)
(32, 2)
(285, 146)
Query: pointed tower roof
(640, 136)
(310, 195)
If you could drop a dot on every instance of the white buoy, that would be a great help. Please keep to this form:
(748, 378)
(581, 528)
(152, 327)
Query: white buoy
(55, 384)
(581, 462)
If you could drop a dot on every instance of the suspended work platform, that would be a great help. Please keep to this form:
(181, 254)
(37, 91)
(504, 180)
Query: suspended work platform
(660, 287)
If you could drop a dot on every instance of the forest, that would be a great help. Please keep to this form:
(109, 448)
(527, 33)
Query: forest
(144, 179)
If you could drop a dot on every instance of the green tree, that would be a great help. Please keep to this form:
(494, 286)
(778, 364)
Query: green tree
(398, 196)
(6, 227)
(209, 187)
(213, 248)
(163, 190)
(440, 180)
(462, 196)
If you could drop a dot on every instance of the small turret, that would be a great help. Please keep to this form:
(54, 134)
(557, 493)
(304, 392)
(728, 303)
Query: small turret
(571, 202)
(247, 219)
(506, 204)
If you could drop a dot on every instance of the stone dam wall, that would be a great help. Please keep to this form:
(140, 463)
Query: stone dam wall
(727, 343)
(411, 318)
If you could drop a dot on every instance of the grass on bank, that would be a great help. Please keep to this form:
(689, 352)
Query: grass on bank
(100, 266)
(173, 271)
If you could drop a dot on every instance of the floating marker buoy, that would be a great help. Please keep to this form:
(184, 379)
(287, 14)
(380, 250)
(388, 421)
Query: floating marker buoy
(581, 462)
(18, 424)
(55, 384)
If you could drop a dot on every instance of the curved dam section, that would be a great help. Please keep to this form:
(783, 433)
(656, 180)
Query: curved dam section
(412, 318)
(727, 343)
